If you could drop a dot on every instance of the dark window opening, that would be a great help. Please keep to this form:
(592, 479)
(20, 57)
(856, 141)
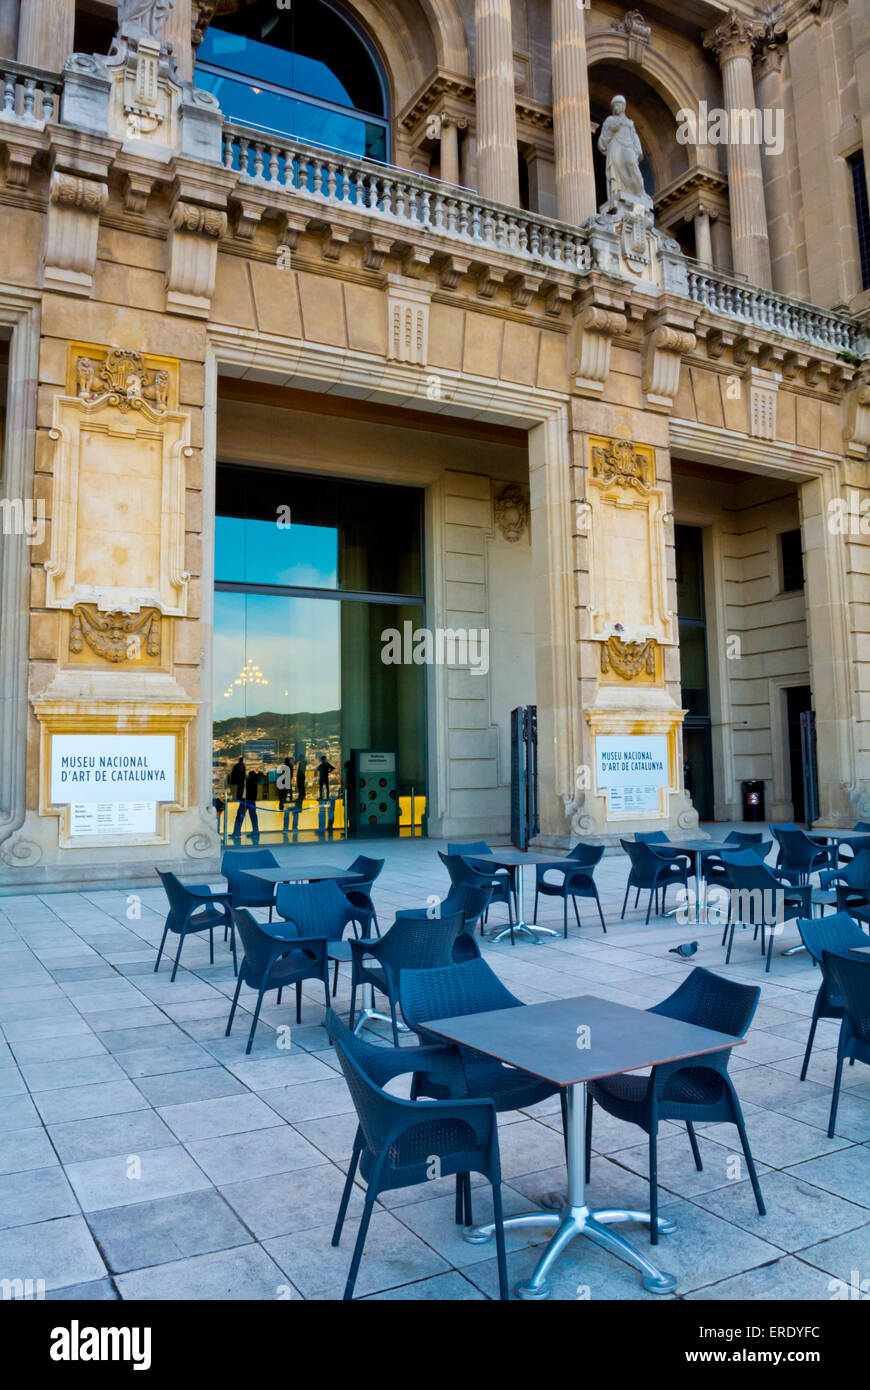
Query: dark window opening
(862, 213)
(791, 559)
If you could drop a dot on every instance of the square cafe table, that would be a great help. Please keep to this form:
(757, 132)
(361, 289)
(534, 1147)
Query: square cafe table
(570, 1042)
(301, 873)
(518, 859)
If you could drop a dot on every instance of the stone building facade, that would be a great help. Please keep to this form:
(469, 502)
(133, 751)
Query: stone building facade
(637, 426)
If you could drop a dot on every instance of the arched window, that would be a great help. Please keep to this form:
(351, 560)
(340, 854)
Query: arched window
(306, 71)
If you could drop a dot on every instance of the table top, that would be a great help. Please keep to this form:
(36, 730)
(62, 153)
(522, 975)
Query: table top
(543, 1038)
(860, 837)
(302, 873)
(510, 858)
(826, 896)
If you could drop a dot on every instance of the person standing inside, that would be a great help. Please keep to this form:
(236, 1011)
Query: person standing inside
(323, 770)
(300, 781)
(237, 788)
(248, 805)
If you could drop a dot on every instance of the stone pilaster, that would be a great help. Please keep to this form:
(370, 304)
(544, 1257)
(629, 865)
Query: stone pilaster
(784, 219)
(731, 40)
(572, 132)
(179, 32)
(497, 171)
(45, 33)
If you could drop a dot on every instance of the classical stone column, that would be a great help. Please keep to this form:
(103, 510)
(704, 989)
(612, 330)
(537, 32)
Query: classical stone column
(179, 33)
(45, 33)
(731, 40)
(572, 128)
(450, 128)
(497, 169)
(859, 19)
(703, 239)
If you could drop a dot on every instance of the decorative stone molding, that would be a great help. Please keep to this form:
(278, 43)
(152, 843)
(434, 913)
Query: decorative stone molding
(637, 33)
(619, 461)
(192, 257)
(856, 420)
(511, 512)
(408, 324)
(733, 36)
(594, 329)
(202, 14)
(115, 636)
(628, 660)
(71, 230)
(663, 351)
(763, 387)
(375, 252)
(489, 280)
(118, 485)
(453, 270)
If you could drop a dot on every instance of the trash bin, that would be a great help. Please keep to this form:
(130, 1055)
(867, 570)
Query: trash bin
(753, 799)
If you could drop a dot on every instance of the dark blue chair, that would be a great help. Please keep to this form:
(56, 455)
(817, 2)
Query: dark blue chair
(471, 901)
(848, 978)
(764, 898)
(359, 890)
(246, 891)
(396, 1139)
(478, 875)
(661, 844)
(191, 910)
(799, 856)
(715, 870)
(412, 943)
(854, 874)
(699, 1091)
(651, 870)
(838, 933)
(504, 889)
(274, 962)
(576, 882)
(454, 991)
(321, 909)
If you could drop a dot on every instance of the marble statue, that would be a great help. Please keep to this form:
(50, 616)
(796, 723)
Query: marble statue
(146, 19)
(619, 142)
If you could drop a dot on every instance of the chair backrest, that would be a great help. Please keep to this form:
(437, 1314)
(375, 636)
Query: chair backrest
(452, 990)
(862, 825)
(180, 900)
(315, 909)
(236, 861)
(644, 860)
(857, 871)
(420, 943)
(849, 977)
(369, 867)
(475, 847)
(587, 856)
(257, 946)
(651, 837)
(836, 932)
(460, 872)
(743, 837)
(711, 1001)
(375, 1109)
(471, 901)
(798, 850)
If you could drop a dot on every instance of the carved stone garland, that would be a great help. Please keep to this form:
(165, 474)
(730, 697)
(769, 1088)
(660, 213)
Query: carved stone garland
(115, 636)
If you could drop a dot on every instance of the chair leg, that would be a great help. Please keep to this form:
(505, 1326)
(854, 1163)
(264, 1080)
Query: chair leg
(565, 916)
(653, 1187)
(535, 908)
(393, 1020)
(255, 1019)
(730, 931)
(162, 944)
(358, 1248)
(501, 1257)
(345, 1197)
(589, 1104)
(835, 1097)
(637, 897)
(459, 1210)
(576, 911)
(747, 1153)
(810, 1040)
(352, 1002)
(696, 1152)
(335, 980)
(233, 1006)
(466, 1189)
(177, 956)
(299, 1001)
(211, 945)
(280, 992)
(649, 906)
(600, 913)
(624, 901)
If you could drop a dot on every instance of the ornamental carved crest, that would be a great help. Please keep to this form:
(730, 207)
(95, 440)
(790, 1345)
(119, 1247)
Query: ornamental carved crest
(512, 512)
(122, 380)
(619, 462)
(628, 659)
(115, 636)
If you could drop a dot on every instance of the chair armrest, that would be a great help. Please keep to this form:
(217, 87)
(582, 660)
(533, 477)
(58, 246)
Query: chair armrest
(365, 946)
(441, 1061)
(799, 892)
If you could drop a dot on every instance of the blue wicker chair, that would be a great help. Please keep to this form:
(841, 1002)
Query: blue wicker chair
(849, 980)
(576, 882)
(651, 870)
(244, 890)
(359, 890)
(396, 1139)
(194, 909)
(699, 1091)
(504, 881)
(838, 933)
(757, 887)
(274, 962)
(412, 943)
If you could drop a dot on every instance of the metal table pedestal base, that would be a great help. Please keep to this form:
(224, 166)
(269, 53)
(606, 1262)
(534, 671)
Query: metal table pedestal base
(521, 928)
(575, 1219)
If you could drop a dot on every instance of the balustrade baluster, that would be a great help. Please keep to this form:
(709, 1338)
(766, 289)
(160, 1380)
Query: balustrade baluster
(29, 95)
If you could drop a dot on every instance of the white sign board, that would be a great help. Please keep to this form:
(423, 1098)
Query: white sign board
(631, 768)
(88, 768)
(98, 818)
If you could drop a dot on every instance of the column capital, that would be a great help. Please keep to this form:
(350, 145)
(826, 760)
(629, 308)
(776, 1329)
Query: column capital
(733, 37)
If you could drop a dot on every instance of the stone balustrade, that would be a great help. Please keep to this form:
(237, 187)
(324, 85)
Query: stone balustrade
(737, 299)
(402, 199)
(30, 96)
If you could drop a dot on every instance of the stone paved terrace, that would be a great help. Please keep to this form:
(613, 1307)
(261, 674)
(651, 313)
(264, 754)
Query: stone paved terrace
(242, 1159)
